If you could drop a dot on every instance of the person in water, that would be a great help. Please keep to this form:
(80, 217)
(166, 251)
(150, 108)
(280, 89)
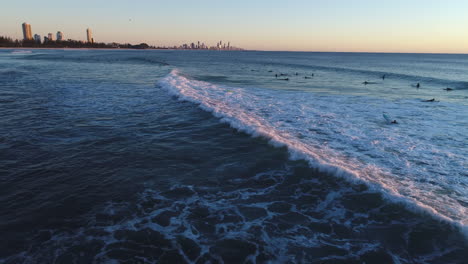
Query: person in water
(383, 77)
(394, 122)
(418, 85)
(430, 100)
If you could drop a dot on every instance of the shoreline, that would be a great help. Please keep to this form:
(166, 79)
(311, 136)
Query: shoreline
(31, 48)
(294, 51)
(26, 48)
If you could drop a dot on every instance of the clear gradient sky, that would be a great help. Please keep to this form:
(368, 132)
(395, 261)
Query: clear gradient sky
(437, 26)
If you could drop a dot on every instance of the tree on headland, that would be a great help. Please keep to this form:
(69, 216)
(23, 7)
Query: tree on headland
(141, 46)
(6, 42)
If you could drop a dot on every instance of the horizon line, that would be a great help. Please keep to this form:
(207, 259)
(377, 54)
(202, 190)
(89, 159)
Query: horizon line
(250, 50)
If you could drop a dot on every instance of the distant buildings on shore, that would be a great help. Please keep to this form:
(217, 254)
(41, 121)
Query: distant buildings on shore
(27, 33)
(89, 35)
(37, 38)
(59, 36)
(49, 39)
(202, 46)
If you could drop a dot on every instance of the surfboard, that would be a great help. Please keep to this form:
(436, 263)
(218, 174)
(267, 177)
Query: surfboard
(385, 115)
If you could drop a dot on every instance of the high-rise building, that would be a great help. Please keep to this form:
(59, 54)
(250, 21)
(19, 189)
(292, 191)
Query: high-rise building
(37, 38)
(27, 33)
(50, 36)
(89, 35)
(59, 36)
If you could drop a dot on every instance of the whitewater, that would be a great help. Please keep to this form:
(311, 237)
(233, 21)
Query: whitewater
(420, 162)
(164, 156)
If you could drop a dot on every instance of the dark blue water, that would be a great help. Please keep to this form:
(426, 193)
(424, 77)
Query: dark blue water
(120, 156)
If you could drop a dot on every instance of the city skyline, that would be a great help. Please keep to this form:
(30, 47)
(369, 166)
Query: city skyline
(27, 36)
(361, 26)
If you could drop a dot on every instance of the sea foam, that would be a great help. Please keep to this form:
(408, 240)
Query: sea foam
(346, 136)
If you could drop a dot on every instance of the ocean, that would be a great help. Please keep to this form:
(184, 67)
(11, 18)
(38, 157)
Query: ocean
(177, 156)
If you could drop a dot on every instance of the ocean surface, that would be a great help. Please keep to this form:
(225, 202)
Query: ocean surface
(119, 156)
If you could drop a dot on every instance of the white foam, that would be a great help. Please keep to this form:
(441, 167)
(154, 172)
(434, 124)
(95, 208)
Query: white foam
(21, 52)
(419, 162)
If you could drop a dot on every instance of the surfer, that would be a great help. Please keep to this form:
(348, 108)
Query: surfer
(276, 76)
(388, 119)
(418, 85)
(285, 79)
(448, 89)
(383, 77)
(430, 100)
(307, 77)
(366, 83)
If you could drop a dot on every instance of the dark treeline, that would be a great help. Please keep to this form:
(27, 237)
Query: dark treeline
(7, 42)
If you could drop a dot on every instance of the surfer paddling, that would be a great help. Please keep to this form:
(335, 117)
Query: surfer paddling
(388, 119)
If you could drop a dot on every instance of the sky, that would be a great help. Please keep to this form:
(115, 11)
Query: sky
(430, 26)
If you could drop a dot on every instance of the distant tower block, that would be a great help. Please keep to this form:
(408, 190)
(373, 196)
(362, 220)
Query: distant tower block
(59, 36)
(89, 35)
(27, 33)
(37, 38)
(50, 36)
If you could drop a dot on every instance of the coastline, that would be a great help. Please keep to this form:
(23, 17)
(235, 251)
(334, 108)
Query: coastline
(84, 49)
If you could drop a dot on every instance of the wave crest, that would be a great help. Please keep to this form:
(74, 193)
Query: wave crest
(287, 119)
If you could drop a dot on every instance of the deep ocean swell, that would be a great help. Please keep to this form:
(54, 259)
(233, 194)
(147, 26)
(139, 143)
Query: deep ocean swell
(106, 157)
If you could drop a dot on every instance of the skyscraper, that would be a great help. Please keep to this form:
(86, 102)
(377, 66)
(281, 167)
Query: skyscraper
(89, 35)
(59, 36)
(37, 38)
(50, 36)
(27, 33)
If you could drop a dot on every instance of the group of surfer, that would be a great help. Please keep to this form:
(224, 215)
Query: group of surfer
(286, 76)
(417, 85)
